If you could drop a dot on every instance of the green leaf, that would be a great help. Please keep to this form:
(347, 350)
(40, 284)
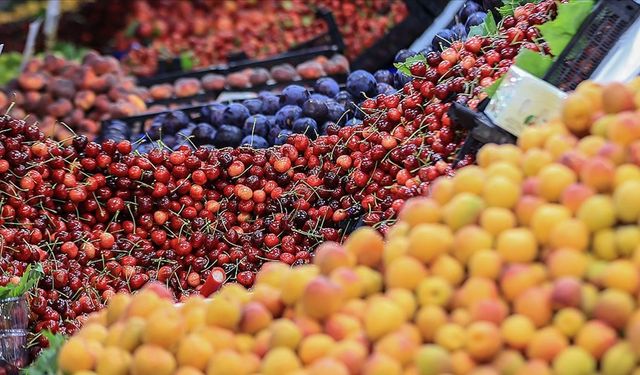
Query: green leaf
(130, 31)
(47, 361)
(477, 30)
(29, 279)
(558, 33)
(510, 5)
(186, 61)
(487, 28)
(404, 67)
(533, 62)
(490, 25)
(307, 21)
(530, 120)
(9, 66)
(491, 90)
(287, 5)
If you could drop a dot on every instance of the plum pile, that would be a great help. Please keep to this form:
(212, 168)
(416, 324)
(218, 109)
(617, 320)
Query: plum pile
(102, 218)
(251, 77)
(266, 120)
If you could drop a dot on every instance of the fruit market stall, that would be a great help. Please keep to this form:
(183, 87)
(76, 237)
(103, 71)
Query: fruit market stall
(464, 211)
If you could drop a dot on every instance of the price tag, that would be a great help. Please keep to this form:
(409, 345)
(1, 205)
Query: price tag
(236, 95)
(523, 99)
(34, 27)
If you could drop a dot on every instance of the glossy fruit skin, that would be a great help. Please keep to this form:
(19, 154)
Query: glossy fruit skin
(113, 220)
(202, 29)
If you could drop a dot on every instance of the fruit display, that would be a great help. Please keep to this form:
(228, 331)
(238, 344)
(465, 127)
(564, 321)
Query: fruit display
(312, 69)
(260, 122)
(10, 61)
(105, 218)
(53, 89)
(211, 30)
(527, 263)
(470, 14)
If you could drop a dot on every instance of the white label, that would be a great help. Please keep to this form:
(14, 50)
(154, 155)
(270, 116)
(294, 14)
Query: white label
(34, 27)
(52, 18)
(236, 95)
(523, 99)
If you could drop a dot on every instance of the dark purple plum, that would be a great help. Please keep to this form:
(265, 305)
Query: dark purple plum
(254, 141)
(287, 115)
(361, 84)
(459, 31)
(403, 54)
(442, 40)
(273, 133)
(270, 104)
(256, 124)
(203, 133)
(228, 136)
(294, 95)
(306, 126)
(384, 88)
(235, 114)
(474, 20)
(319, 97)
(467, 10)
(400, 79)
(253, 105)
(384, 76)
(213, 113)
(343, 97)
(336, 112)
(315, 108)
(327, 86)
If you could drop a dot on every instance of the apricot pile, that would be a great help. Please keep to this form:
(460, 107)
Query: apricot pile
(315, 68)
(528, 263)
(53, 90)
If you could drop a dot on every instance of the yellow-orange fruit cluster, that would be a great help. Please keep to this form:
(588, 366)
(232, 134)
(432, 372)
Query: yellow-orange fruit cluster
(528, 263)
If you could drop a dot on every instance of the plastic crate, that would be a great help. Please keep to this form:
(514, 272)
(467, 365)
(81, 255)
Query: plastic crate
(596, 37)
(325, 44)
(433, 7)
(331, 37)
(381, 54)
(293, 57)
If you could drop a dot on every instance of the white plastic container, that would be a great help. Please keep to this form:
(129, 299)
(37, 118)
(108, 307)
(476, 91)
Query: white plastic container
(522, 100)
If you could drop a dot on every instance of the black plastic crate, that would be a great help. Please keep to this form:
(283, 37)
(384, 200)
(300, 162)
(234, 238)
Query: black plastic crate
(293, 57)
(331, 37)
(433, 7)
(326, 44)
(597, 35)
(382, 53)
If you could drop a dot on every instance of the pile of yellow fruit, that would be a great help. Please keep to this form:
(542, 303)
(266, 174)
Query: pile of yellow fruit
(528, 263)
